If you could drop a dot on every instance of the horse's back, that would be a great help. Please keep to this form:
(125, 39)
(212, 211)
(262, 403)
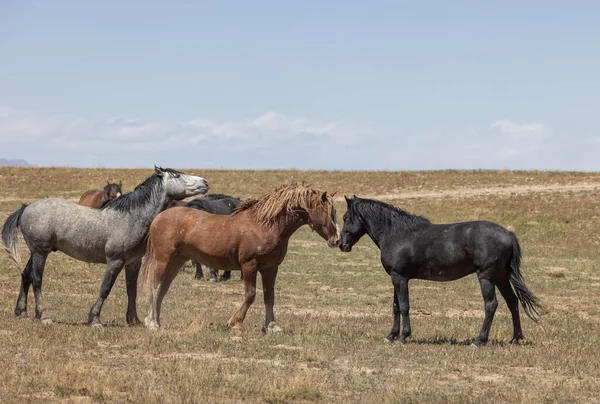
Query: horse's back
(92, 198)
(53, 219)
(447, 252)
(222, 206)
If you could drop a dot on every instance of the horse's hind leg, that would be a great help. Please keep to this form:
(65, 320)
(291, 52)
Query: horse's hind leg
(21, 307)
(513, 305)
(113, 269)
(38, 262)
(170, 273)
(488, 290)
(132, 272)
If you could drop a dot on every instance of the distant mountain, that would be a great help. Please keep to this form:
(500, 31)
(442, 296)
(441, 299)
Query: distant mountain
(15, 162)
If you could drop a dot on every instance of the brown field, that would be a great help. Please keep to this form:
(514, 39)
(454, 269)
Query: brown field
(335, 308)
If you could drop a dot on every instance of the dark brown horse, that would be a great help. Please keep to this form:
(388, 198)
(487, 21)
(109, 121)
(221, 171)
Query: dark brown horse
(95, 197)
(254, 239)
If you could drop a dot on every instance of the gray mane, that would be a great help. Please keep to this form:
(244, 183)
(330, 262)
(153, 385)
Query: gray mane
(146, 192)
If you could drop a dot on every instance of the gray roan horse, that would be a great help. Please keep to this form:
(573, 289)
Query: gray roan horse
(114, 234)
(414, 248)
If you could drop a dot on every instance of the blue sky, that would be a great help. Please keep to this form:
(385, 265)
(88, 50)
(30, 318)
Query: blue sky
(311, 84)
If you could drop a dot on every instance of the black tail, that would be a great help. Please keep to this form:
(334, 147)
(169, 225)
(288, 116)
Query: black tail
(528, 300)
(10, 234)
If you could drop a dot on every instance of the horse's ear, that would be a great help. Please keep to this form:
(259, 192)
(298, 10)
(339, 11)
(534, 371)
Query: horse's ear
(332, 195)
(107, 182)
(348, 200)
(324, 196)
(158, 170)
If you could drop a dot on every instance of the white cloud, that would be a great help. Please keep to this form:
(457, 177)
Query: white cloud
(275, 140)
(31, 133)
(515, 128)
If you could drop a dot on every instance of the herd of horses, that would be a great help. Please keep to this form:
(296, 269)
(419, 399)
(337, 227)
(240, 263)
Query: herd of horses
(152, 229)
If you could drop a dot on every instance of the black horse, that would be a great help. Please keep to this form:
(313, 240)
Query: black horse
(217, 204)
(414, 248)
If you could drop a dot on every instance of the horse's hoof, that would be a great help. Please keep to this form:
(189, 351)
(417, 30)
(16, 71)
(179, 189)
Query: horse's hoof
(134, 322)
(474, 345)
(96, 323)
(272, 328)
(153, 326)
(234, 325)
(47, 321)
(212, 280)
(391, 339)
(22, 315)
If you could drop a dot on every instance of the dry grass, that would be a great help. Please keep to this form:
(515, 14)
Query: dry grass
(335, 308)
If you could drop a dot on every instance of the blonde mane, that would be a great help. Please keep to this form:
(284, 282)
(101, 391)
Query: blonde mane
(285, 199)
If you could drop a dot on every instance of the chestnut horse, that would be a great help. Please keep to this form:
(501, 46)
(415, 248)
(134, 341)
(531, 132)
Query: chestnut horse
(95, 197)
(253, 239)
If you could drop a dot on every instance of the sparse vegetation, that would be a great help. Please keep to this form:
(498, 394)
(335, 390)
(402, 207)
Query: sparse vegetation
(335, 308)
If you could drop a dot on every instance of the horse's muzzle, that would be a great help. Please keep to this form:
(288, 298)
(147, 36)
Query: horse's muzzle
(345, 248)
(334, 243)
(204, 188)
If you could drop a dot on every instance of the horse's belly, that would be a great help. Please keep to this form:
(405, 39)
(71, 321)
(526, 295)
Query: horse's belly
(444, 273)
(93, 255)
(216, 262)
(442, 276)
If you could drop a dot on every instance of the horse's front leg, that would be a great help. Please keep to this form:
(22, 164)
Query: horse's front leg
(113, 269)
(401, 296)
(132, 272)
(250, 293)
(395, 333)
(268, 281)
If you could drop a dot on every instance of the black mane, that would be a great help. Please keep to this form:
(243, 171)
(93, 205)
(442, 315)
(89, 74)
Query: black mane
(144, 192)
(214, 197)
(382, 212)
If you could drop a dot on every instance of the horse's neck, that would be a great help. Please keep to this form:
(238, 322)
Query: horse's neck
(143, 216)
(384, 232)
(381, 233)
(288, 223)
(377, 232)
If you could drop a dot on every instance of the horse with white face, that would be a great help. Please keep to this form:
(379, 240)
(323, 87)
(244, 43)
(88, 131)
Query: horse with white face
(113, 234)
